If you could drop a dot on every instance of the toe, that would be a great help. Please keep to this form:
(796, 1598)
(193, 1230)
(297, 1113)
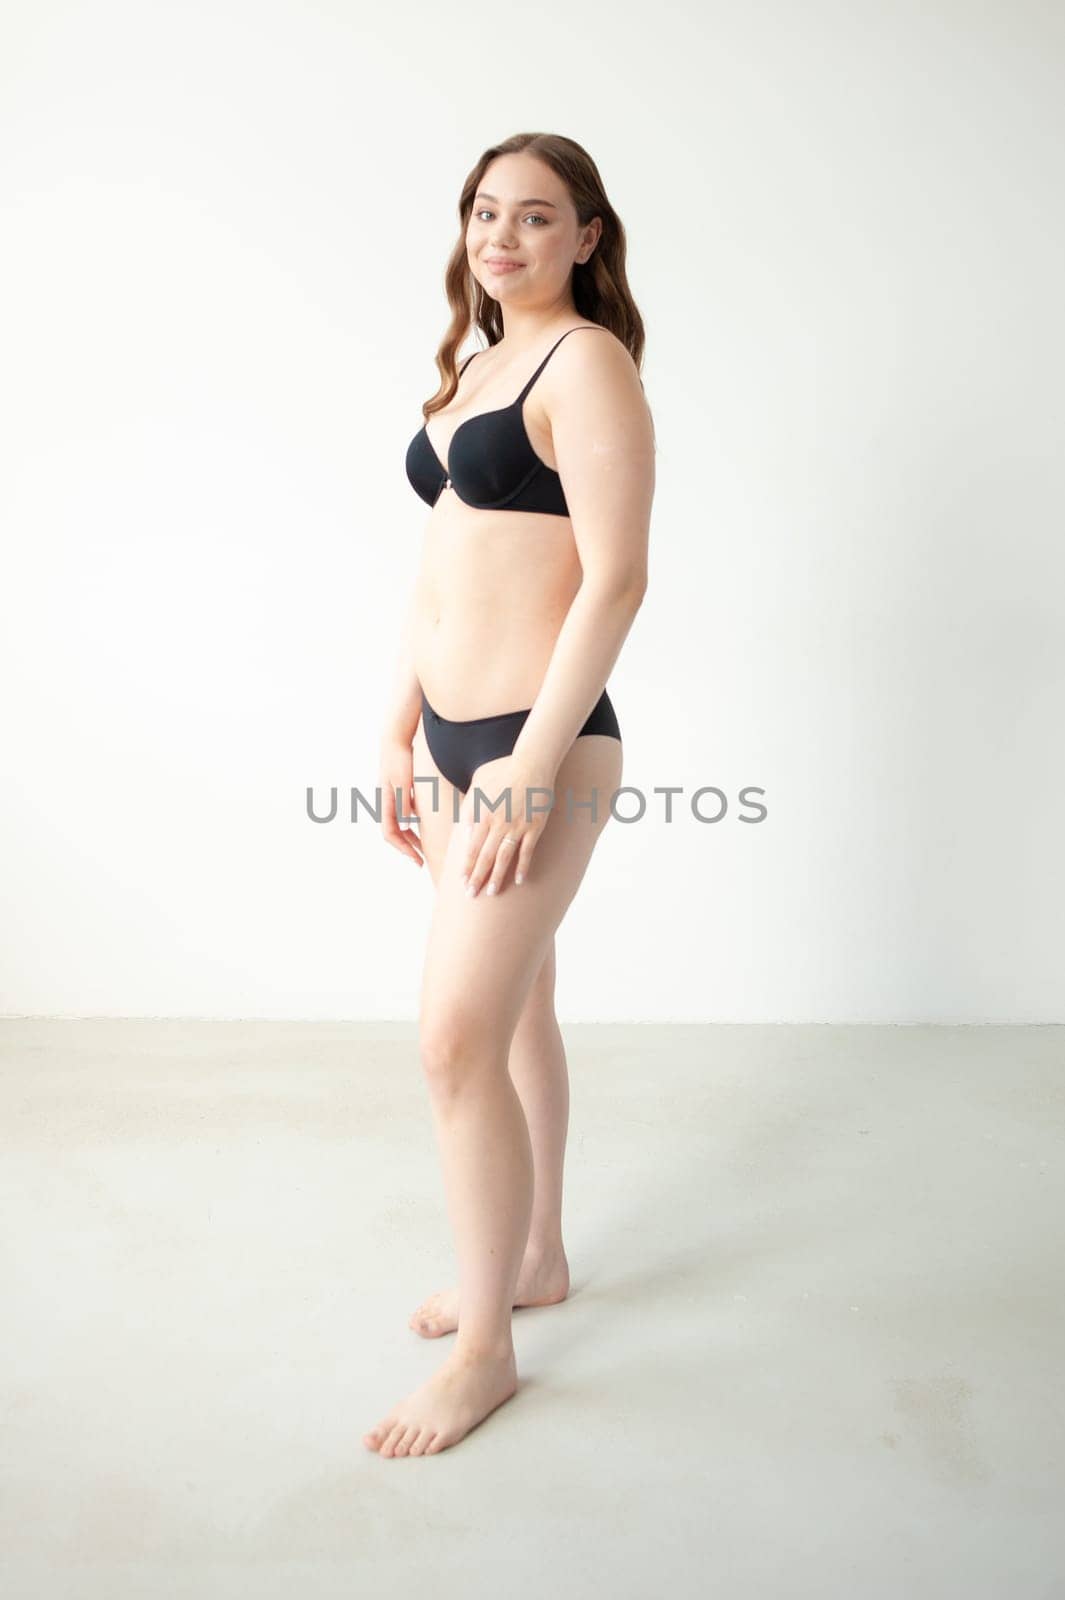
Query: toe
(388, 1448)
(418, 1446)
(403, 1443)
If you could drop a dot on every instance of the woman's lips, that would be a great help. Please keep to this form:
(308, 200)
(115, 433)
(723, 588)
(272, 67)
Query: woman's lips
(504, 266)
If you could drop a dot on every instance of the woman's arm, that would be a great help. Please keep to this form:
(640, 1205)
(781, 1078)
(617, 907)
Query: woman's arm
(404, 705)
(588, 644)
(396, 778)
(603, 441)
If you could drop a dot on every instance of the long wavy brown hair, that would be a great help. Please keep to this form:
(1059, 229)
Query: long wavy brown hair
(600, 286)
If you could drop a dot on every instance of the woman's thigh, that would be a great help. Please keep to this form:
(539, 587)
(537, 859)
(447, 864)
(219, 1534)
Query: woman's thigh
(434, 830)
(484, 954)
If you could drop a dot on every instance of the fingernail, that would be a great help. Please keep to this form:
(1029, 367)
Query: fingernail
(491, 888)
(519, 877)
(471, 891)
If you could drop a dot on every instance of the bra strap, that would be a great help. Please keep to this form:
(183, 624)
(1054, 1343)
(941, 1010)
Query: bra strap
(550, 353)
(468, 359)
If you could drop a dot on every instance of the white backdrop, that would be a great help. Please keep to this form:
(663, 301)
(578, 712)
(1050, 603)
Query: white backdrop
(224, 232)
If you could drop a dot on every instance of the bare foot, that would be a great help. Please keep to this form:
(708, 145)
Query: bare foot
(541, 1282)
(458, 1396)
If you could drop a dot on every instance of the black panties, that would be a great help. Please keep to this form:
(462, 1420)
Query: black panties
(459, 748)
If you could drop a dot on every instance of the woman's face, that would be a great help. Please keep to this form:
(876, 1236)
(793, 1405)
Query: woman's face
(522, 239)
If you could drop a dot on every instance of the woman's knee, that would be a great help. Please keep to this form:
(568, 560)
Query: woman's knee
(457, 1041)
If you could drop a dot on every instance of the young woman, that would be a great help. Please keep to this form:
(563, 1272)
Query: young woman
(538, 462)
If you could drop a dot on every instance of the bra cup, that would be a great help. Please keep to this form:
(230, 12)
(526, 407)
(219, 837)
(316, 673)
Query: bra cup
(491, 459)
(424, 473)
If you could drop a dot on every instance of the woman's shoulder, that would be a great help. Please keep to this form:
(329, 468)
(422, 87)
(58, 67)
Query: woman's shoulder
(609, 356)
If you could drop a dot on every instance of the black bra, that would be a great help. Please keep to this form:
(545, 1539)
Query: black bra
(491, 462)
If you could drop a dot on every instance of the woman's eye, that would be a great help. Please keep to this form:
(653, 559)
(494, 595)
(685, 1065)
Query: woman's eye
(528, 214)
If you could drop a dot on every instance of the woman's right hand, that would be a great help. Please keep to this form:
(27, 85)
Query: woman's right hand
(397, 772)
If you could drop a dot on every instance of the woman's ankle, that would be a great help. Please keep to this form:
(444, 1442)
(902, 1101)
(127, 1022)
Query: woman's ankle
(541, 1252)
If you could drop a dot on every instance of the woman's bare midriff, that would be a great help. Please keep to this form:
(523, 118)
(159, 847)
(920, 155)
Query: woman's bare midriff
(491, 597)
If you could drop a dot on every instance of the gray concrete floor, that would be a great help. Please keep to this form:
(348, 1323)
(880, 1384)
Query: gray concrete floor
(813, 1348)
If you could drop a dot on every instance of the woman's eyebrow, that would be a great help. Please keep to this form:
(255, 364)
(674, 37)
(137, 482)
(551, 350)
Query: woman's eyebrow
(480, 195)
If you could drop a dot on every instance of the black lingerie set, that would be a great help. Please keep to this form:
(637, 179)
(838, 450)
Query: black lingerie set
(491, 466)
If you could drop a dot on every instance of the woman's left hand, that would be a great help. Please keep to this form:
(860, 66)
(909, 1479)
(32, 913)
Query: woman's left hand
(493, 845)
